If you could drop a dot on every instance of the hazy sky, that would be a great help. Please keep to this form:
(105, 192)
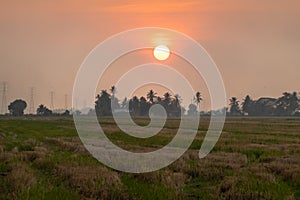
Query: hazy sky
(256, 44)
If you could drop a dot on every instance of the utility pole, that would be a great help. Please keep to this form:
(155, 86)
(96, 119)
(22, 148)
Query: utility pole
(4, 103)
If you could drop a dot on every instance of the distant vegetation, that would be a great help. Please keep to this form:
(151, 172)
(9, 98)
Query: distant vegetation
(138, 106)
(17, 107)
(285, 105)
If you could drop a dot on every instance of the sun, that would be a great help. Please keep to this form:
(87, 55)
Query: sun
(161, 52)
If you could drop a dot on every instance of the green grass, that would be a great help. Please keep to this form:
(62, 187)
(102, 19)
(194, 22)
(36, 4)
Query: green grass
(138, 189)
(255, 158)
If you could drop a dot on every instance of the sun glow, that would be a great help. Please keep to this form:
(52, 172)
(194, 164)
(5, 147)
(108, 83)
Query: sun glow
(161, 52)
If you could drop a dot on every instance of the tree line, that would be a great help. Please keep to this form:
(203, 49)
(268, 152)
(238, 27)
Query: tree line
(285, 105)
(18, 106)
(138, 106)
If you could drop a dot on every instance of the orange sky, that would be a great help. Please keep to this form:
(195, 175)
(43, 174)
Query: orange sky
(255, 43)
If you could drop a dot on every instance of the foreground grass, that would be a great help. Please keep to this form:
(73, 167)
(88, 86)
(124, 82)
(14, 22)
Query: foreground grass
(255, 158)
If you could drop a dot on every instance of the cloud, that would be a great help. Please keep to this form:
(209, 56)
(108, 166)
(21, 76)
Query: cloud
(153, 7)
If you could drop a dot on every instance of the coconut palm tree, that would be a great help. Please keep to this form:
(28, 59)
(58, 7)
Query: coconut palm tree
(198, 99)
(151, 95)
(43, 110)
(175, 106)
(113, 90)
(177, 100)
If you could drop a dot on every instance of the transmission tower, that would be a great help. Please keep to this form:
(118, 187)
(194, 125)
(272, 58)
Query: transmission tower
(31, 103)
(52, 100)
(4, 103)
(66, 102)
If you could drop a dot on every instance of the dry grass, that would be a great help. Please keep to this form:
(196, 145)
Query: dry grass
(20, 177)
(89, 181)
(287, 167)
(67, 143)
(254, 159)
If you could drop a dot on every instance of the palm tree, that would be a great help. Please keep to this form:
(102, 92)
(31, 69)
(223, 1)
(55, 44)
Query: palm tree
(114, 100)
(177, 100)
(167, 99)
(113, 90)
(198, 99)
(175, 106)
(167, 102)
(43, 110)
(151, 95)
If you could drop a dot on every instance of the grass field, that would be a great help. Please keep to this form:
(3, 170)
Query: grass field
(255, 158)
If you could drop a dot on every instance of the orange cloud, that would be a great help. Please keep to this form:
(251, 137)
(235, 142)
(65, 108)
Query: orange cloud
(153, 7)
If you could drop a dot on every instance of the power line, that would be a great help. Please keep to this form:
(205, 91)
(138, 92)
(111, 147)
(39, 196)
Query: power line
(4, 103)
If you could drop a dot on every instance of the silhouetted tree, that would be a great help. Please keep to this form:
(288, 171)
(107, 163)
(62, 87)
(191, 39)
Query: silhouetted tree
(167, 98)
(166, 102)
(103, 104)
(177, 100)
(192, 111)
(264, 107)
(287, 104)
(43, 111)
(234, 106)
(159, 100)
(17, 107)
(134, 106)
(113, 90)
(175, 108)
(66, 113)
(151, 95)
(294, 103)
(198, 99)
(114, 100)
(144, 107)
(248, 106)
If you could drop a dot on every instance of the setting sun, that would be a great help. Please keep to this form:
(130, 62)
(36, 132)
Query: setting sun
(161, 52)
